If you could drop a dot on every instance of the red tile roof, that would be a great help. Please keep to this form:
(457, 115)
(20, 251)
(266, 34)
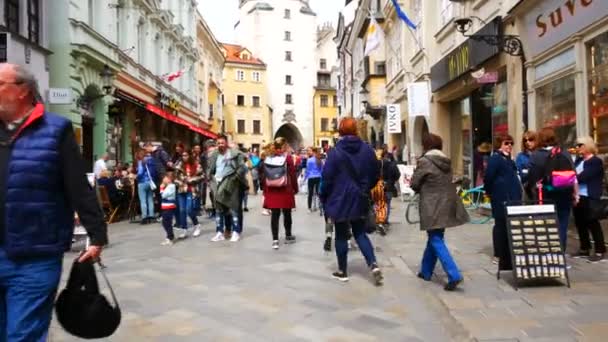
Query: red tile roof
(233, 55)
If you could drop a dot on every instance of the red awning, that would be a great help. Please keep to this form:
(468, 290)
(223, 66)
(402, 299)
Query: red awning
(180, 121)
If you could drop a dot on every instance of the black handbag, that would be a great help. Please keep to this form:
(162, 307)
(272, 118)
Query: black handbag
(81, 309)
(598, 208)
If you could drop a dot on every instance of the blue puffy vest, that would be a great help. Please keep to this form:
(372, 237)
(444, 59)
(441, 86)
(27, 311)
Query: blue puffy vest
(39, 220)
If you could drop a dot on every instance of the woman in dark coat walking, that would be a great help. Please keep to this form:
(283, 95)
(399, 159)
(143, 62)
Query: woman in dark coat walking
(280, 199)
(502, 185)
(440, 208)
(350, 172)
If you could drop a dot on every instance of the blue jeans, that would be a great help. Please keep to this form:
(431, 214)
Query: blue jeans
(146, 200)
(27, 294)
(436, 249)
(220, 218)
(563, 204)
(186, 208)
(365, 245)
(388, 198)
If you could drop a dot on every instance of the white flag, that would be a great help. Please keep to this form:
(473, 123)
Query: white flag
(374, 37)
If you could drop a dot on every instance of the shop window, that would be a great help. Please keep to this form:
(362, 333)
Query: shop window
(240, 100)
(324, 125)
(240, 126)
(324, 101)
(257, 127)
(597, 56)
(500, 117)
(556, 108)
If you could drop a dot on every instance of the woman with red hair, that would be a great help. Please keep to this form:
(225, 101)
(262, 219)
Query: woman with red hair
(350, 172)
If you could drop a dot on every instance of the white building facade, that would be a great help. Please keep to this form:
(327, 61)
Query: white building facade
(283, 34)
(24, 38)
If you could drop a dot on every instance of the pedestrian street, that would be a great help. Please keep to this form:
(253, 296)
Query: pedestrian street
(197, 290)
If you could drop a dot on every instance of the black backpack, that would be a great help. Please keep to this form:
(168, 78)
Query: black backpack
(559, 171)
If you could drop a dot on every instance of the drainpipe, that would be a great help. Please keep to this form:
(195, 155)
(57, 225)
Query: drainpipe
(524, 79)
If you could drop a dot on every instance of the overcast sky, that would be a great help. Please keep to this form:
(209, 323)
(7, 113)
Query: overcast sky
(221, 18)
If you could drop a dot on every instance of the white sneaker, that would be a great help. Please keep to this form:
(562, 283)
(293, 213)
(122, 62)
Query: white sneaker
(266, 212)
(183, 234)
(167, 242)
(235, 237)
(275, 244)
(218, 237)
(197, 230)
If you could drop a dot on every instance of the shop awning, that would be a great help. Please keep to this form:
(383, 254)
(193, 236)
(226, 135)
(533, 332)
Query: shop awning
(167, 116)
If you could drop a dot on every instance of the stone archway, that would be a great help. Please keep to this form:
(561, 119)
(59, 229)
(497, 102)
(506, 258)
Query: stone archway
(292, 134)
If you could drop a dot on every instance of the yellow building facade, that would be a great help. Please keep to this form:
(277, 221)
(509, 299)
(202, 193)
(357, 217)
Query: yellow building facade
(246, 113)
(326, 116)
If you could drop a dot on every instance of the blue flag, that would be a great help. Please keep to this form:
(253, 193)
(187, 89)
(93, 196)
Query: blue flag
(402, 15)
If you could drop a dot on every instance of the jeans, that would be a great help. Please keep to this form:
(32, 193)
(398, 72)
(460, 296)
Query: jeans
(146, 200)
(365, 245)
(313, 190)
(186, 208)
(167, 216)
(436, 249)
(221, 214)
(563, 204)
(388, 196)
(27, 294)
(584, 226)
(274, 222)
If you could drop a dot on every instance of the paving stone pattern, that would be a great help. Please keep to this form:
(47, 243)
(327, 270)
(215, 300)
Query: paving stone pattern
(197, 290)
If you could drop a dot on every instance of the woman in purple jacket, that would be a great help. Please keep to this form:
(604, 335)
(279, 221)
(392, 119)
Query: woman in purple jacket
(351, 170)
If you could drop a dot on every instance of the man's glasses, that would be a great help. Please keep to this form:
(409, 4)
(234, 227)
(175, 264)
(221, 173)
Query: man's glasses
(508, 143)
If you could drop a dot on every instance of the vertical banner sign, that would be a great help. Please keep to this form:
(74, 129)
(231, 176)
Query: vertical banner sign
(393, 118)
(418, 99)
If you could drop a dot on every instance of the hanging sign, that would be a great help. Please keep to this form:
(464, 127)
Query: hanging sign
(418, 99)
(488, 77)
(393, 118)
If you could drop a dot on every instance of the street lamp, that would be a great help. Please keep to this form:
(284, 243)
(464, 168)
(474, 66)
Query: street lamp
(107, 78)
(507, 43)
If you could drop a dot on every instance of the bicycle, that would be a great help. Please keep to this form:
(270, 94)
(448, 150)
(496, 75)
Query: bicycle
(473, 200)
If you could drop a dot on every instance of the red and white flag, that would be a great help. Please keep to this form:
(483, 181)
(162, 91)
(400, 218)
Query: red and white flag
(174, 75)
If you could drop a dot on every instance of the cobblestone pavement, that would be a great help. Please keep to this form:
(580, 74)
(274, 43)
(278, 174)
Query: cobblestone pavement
(202, 291)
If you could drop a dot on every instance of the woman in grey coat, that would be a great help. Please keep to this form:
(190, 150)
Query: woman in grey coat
(440, 208)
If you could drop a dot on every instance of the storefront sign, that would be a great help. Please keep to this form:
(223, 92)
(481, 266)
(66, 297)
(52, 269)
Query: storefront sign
(168, 103)
(488, 77)
(60, 96)
(393, 118)
(552, 21)
(468, 55)
(418, 99)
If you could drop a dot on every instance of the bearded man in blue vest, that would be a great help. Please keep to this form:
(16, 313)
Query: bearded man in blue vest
(42, 183)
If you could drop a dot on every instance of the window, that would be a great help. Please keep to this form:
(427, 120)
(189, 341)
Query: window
(257, 127)
(211, 111)
(256, 76)
(288, 56)
(288, 80)
(556, 108)
(288, 99)
(33, 21)
(380, 68)
(324, 101)
(256, 101)
(287, 14)
(324, 125)
(335, 101)
(324, 81)
(447, 11)
(240, 75)
(323, 64)
(11, 15)
(240, 126)
(287, 35)
(240, 100)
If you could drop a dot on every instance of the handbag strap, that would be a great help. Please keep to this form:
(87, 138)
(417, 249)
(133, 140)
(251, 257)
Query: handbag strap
(103, 274)
(147, 170)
